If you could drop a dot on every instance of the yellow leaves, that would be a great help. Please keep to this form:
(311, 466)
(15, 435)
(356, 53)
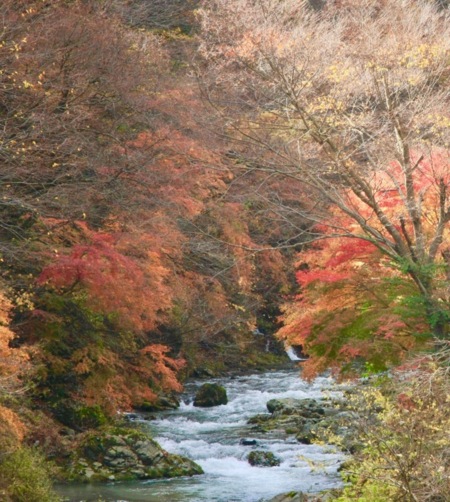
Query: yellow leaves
(440, 123)
(377, 68)
(338, 73)
(15, 47)
(422, 56)
(329, 109)
(5, 306)
(28, 12)
(405, 435)
(24, 301)
(413, 80)
(325, 103)
(175, 34)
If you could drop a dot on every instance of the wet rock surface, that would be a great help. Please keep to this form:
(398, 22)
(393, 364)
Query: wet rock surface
(162, 403)
(218, 438)
(309, 420)
(324, 496)
(210, 394)
(121, 454)
(263, 459)
(248, 442)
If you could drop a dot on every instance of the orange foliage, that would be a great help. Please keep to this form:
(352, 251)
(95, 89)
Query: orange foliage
(123, 179)
(349, 309)
(12, 361)
(180, 170)
(116, 280)
(12, 430)
(13, 423)
(118, 384)
(357, 303)
(162, 368)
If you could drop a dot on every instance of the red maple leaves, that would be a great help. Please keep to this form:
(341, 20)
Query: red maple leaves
(115, 282)
(358, 303)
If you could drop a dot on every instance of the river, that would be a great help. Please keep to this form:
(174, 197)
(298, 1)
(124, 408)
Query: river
(211, 437)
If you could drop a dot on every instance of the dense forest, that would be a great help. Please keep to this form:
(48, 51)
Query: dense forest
(188, 187)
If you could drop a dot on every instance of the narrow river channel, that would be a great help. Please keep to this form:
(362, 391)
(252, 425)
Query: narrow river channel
(212, 437)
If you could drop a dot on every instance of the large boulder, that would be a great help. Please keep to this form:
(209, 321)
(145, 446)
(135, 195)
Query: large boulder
(210, 394)
(118, 454)
(261, 458)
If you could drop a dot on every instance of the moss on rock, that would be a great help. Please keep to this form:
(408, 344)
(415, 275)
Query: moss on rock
(210, 394)
(263, 459)
(122, 454)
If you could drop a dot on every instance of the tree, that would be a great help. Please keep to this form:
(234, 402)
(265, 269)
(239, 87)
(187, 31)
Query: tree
(73, 88)
(116, 282)
(350, 102)
(401, 430)
(356, 312)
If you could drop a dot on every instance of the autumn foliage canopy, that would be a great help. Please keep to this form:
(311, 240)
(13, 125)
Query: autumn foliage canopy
(348, 102)
(356, 302)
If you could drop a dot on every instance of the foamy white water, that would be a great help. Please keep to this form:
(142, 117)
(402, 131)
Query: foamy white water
(211, 437)
(291, 353)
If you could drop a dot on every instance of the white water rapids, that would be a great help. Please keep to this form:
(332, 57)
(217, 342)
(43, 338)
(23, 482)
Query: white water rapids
(211, 437)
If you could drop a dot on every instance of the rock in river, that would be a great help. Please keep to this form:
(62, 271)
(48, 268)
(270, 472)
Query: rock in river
(310, 420)
(210, 394)
(118, 454)
(248, 442)
(263, 459)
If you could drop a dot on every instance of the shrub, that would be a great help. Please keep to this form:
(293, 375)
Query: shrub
(24, 477)
(403, 426)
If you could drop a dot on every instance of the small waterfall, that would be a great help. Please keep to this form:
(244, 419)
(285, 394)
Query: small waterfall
(291, 353)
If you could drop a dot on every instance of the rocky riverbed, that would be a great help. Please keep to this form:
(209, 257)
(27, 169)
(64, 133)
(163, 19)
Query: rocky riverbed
(258, 445)
(310, 420)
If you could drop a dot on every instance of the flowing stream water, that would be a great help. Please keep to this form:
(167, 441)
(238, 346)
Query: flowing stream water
(212, 438)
